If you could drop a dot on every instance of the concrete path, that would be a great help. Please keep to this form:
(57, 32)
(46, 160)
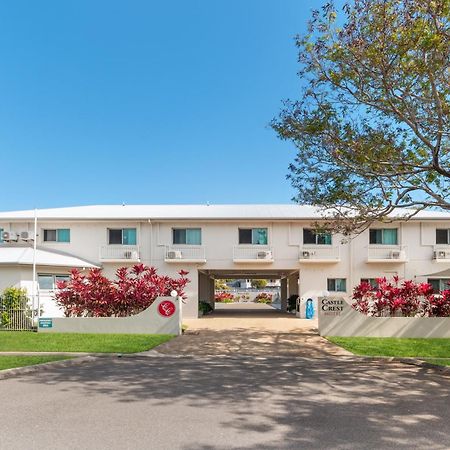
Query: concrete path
(251, 329)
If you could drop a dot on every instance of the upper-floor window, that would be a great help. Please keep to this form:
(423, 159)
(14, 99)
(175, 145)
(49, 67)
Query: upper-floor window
(372, 281)
(439, 284)
(443, 236)
(383, 236)
(57, 235)
(337, 284)
(1, 235)
(188, 236)
(48, 281)
(122, 236)
(255, 236)
(310, 237)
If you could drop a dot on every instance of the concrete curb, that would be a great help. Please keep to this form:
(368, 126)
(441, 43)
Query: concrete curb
(17, 371)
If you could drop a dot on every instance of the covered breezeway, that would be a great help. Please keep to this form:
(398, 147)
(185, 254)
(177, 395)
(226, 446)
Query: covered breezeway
(289, 285)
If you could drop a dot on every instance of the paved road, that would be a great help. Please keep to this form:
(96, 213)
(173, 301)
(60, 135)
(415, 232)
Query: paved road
(235, 401)
(226, 403)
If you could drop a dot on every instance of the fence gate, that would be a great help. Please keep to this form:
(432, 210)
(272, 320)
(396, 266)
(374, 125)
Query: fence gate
(16, 316)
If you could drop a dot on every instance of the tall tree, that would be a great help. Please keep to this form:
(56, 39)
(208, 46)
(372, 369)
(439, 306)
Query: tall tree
(372, 125)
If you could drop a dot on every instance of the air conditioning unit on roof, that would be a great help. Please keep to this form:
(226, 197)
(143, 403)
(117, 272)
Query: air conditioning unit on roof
(26, 236)
(9, 236)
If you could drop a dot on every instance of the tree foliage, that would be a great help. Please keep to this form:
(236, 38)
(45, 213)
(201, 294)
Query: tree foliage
(135, 289)
(372, 125)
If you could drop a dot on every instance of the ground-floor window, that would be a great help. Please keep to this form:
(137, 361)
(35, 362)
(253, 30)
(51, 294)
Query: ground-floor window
(48, 281)
(372, 281)
(439, 284)
(337, 285)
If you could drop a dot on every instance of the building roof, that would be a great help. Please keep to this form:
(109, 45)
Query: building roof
(24, 256)
(187, 212)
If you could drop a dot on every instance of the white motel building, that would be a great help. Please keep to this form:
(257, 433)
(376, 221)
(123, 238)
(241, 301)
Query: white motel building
(218, 241)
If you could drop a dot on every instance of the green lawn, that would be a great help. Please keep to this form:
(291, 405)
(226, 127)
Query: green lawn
(12, 341)
(10, 362)
(400, 347)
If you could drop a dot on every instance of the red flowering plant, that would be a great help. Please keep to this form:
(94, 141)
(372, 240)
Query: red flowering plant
(390, 298)
(135, 289)
(263, 297)
(224, 297)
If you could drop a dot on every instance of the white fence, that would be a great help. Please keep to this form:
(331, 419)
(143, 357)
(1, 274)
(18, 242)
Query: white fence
(338, 318)
(16, 319)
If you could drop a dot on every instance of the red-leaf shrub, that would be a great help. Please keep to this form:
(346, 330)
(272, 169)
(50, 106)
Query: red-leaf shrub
(135, 289)
(224, 297)
(263, 297)
(406, 298)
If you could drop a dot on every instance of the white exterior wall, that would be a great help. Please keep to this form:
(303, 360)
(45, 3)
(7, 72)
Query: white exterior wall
(220, 236)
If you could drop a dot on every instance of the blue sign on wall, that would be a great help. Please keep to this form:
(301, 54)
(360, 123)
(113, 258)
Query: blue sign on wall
(45, 323)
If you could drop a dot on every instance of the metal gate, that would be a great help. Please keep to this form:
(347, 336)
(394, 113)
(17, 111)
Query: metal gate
(17, 317)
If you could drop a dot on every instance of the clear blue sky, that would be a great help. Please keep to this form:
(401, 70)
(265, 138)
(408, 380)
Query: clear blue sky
(145, 101)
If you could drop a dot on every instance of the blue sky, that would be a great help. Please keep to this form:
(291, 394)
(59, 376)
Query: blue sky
(145, 101)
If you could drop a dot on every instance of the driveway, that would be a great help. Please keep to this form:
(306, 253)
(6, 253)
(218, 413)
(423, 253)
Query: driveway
(251, 329)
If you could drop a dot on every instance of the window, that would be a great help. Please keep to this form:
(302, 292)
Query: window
(439, 284)
(48, 281)
(337, 284)
(310, 237)
(372, 281)
(1, 235)
(255, 236)
(188, 236)
(443, 237)
(58, 235)
(383, 236)
(122, 236)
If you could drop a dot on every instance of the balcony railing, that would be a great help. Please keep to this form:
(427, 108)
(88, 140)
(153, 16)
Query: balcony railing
(253, 254)
(319, 254)
(441, 253)
(119, 253)
(185, 253)
(387, 254)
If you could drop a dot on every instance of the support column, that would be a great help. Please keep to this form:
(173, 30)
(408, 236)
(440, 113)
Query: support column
(284, 294)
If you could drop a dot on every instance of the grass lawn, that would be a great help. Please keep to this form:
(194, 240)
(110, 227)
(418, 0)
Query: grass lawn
(17, 341)
(10, 362)
(400, 347)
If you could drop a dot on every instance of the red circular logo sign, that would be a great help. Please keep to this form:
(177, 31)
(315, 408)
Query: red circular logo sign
(167, 308)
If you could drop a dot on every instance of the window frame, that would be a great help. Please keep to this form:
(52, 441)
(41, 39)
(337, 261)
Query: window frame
(54, 276)
(185, 229)
(252, 229)
(443, 283)
(317, 236)
(121, 235)
(371, 281)
(334, 280)
(57, 240)
(382, 236)
(448, 236)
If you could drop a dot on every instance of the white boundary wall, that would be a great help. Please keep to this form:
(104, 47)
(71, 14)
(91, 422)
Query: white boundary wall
(149, 321)
(338, 318)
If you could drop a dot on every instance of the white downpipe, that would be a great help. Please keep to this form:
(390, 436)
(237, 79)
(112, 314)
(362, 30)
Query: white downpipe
(33, 289)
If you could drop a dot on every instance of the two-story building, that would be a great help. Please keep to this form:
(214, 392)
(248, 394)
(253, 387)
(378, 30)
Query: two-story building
(218, 241)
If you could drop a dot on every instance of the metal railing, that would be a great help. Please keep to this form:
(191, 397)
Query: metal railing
(119, 252)
(319, 253)
(16, 318)
(386, 252)
(252, 252)
(185, 252)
